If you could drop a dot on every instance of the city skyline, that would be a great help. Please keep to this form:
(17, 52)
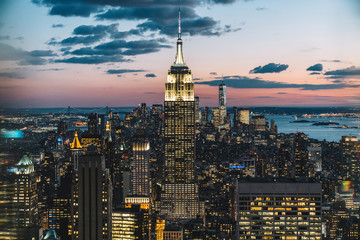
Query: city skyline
(278, 53)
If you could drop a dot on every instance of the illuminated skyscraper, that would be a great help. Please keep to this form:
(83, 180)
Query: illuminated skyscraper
(301, 155)
(91, 200)
(243, 116)
(26, 199)
(179, 198)
(222, 102)
(350, 152)
(140, 167)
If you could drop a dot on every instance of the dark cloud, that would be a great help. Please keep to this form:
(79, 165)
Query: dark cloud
(121, 71)
(133, 52)
(88, 51)
(315, 73)
(347, 72)
(213, 73)
(315, 68)
(337, 81)
(57, 25)
(205, 26)
(150, 75)
(281, 93)
(42, 53)
(11, 75)
(95, 30)
(163, 15)
(164, 20)
(70, 10)
(87, 40)
(196, 79)
(246, 82)
(92, 60)
(270, 68)
(28, 60)
(114, 50)
(4, 37)
(9, 53)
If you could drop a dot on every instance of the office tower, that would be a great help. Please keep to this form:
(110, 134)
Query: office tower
(93, 124)
(258, 123)
(197, 110)
(350, 153)
(315, 156)
(243, 115)
(301, 155)
(235, 119)
(215, 117)
(91, 199)
(140, 166)
(180, 197)
(129, 223)
(26, 192)
(205, 115)
(222, 102)
(9, 210)
(26, 199)
(278, 209)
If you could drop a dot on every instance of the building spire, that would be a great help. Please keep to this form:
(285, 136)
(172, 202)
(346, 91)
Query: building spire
(179, 32)
(179, 59)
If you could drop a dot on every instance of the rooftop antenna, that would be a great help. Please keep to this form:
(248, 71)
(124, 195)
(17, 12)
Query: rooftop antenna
(179, 31)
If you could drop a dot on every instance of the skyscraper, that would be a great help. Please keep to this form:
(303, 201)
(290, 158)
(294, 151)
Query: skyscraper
(91, 200)
(179, 198)
(222, 102)
(140, 167)
(301, 155)
(26, 199)
(350, 153)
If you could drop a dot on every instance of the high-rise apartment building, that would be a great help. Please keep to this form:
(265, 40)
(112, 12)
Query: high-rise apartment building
(278, 209)
(301, 155)
(91, 200)
(179, 198)
(350, 152)
(140, 166)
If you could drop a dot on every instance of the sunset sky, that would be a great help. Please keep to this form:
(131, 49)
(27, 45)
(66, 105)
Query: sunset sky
(82, 53)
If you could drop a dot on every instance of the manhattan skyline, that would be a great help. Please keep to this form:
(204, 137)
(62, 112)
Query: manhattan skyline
(268, 53)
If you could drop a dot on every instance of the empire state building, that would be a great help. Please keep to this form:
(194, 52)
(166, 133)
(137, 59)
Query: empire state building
(180, 197)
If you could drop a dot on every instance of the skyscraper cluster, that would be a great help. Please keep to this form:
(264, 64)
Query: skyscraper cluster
(176, 171)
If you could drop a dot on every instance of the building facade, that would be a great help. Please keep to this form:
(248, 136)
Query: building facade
(91, 199)
(278, 209)
(179, 198)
